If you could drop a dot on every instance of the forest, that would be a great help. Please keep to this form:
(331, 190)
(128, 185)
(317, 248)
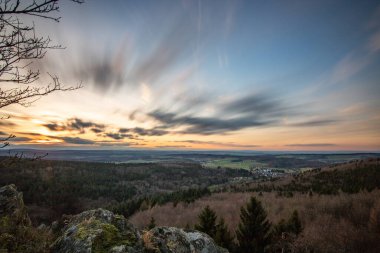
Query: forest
(337, 204)
(324, 210)
(53, 188)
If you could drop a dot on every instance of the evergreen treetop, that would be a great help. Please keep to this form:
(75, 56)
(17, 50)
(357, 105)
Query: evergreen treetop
(223, 236)
(253, 232)
(207, 221)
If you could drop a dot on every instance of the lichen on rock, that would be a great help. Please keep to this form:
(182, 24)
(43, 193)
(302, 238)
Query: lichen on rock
(176, 240)
(97, 231)
(12, 208)
(93, 231)
(16, 232)
(101, 231)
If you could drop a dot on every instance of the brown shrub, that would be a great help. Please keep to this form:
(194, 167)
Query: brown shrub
(332, 223)
(374, 218)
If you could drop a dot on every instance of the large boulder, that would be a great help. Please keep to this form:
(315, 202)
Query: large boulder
(16, 232)
(12, 209)
(101, 231)
(176, 240)
(98, 231)
(93, 231)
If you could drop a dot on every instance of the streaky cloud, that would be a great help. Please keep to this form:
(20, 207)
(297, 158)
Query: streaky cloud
(172, 146)
(76, 140)
(7, 124)
(311, 145)
(226, 144)
(75, 124)
(144, 131)
(119, 136)
(315, 123)
(168, 51)
(21, 139)
(253, 110)
(204, 125)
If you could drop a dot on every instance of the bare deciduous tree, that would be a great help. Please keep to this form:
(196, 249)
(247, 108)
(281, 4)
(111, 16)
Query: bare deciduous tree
(19, 46)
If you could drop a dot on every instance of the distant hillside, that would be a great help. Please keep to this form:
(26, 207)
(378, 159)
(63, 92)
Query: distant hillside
(339, 207)
(351, 177)
(53, 188)
(289, 160)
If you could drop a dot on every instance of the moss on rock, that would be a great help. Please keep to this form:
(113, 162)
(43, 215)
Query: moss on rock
(16, 232)
(176, 240)
(97, 231)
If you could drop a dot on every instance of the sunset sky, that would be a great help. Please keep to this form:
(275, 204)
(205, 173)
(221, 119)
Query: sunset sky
(193, 74)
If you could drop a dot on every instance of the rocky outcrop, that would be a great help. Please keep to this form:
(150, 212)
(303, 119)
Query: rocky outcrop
(93, 231)
(176, 240)
(12, 208)
(16, 232)
(98, 231)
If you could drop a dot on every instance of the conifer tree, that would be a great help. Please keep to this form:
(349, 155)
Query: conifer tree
(285, 233)
(207, 221)
(152, 223)
(279, 228)
(223, 236)
(253, 233)
(294, 223)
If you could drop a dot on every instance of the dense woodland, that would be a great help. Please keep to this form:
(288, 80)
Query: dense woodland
(351, 177)
(332, 209)
(320, 223)
(53, 188)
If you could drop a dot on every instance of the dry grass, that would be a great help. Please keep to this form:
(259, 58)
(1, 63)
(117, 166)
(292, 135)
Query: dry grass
(354, 207)
(342, 223)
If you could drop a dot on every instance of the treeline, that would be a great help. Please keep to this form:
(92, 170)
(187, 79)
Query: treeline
(128, 208)
(354, 180)
(349, 181)
(64, 187)
(254, 234)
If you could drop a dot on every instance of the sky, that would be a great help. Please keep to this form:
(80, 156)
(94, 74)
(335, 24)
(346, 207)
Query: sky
(195, 74)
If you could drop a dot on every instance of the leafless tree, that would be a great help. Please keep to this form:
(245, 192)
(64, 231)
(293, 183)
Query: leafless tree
(19, 47)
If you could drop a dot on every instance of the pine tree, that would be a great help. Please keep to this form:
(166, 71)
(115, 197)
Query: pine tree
(253, 232)
(285, 233)
(294, 223)
(279, 228)
(207, 221)
(223, 236)
(152, 223)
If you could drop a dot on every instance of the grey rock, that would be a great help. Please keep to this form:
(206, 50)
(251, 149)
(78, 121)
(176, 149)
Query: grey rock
(98, 231)
(12, 206)
(176, 240)
(101, 231)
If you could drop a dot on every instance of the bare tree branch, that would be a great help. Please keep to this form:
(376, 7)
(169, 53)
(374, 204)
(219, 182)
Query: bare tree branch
(16, 157)
(19, 47)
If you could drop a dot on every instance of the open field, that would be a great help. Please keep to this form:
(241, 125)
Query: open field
(233, 163)
(210, 159)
